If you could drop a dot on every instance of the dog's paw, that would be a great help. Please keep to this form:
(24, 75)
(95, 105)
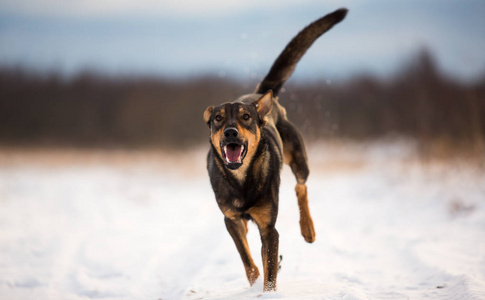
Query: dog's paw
(252, 275)
(307, 230)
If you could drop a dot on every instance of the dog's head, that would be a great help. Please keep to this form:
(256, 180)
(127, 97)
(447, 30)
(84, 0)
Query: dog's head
(236, 128)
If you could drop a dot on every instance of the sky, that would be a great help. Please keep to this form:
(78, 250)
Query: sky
(238, 38)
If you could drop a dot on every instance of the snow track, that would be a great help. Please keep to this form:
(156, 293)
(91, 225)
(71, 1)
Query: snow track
(152, 230)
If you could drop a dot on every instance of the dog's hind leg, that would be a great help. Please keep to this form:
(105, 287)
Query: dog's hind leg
(238, 229)
(295, 156)
(306, 222)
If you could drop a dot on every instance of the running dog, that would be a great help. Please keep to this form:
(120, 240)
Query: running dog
(250, 139)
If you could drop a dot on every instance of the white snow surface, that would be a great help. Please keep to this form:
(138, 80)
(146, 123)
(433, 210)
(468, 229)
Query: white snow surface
(136, 226)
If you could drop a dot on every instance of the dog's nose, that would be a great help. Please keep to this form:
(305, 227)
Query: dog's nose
(230, 132)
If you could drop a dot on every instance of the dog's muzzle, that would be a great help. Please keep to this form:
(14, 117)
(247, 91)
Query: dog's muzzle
(233, 150)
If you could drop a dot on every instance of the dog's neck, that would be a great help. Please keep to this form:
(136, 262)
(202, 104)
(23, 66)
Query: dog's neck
(241, 173)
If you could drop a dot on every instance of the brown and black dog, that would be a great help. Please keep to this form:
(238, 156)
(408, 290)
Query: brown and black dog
(250, 139)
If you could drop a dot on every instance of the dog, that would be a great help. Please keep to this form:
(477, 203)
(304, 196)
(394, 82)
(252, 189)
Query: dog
(250, 139)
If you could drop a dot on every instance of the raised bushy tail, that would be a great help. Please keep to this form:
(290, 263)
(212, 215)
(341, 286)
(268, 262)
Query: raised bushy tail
(285, 64)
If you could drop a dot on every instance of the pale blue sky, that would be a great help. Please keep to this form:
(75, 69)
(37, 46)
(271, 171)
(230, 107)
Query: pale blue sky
(238, 38)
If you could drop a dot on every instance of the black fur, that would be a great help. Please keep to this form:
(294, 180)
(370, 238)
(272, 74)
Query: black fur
(247, 189)
(285, 64)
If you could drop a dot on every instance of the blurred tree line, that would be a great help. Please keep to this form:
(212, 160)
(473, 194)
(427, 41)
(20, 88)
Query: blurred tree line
(91, 110)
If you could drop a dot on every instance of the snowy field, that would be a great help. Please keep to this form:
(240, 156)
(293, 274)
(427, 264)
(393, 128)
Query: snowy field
(142, 225)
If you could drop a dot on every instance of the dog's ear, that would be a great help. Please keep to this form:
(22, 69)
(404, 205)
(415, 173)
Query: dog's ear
(264, 105)
(207, 115)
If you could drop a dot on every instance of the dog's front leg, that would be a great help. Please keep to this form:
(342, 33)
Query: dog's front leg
(269, 253)
(265, 218)
(238, 229)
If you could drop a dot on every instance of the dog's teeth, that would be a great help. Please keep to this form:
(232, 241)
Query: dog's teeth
(225, 153)
(240, 154)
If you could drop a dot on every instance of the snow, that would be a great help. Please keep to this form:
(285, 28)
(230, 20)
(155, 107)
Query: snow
(146, 226)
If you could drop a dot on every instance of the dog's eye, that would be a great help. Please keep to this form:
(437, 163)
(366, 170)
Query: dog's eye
(246, 117)
(218, 118)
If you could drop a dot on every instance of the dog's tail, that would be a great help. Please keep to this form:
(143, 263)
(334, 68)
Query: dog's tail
(285, 64)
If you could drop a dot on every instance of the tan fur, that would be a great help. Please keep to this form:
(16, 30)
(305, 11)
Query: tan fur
(287, 155)
(207, 114)
(240, 174)
(261, 215)
(264, 105)
(252, 273)
(217, 136)
(245, 222)
(239, 229)
(237, 203)
(229, 213)
(306, 222)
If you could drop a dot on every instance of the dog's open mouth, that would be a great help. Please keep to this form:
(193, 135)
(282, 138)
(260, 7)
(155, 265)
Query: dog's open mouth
(233, 155)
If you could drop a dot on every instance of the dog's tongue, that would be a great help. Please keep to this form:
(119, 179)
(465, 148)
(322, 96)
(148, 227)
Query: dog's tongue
(233, 153)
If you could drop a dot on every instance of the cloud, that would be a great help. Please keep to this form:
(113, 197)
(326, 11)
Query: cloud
(188, 36)
(179, 8)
